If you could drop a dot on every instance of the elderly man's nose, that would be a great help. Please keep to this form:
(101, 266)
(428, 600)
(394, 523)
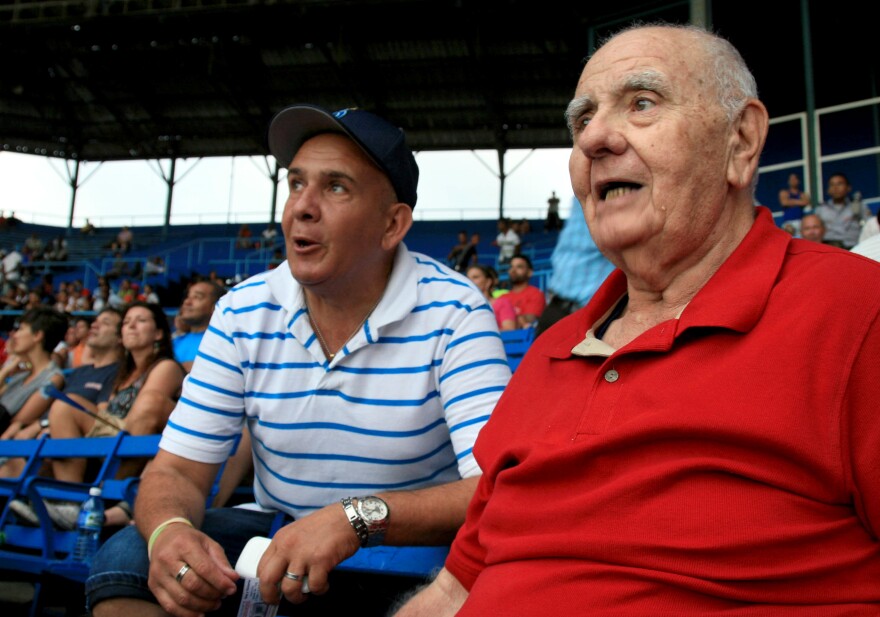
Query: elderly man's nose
(601, 137)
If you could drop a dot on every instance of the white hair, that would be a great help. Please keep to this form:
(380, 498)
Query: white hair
(734, 82)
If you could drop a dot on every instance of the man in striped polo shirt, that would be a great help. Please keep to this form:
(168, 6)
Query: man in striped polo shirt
(363, 372)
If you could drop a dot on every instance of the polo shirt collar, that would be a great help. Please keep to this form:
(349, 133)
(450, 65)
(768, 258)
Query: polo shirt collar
(401, 293)
(397, 301)
(734, 298)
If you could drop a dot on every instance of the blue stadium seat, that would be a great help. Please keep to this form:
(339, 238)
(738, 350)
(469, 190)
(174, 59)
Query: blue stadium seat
(516, 344)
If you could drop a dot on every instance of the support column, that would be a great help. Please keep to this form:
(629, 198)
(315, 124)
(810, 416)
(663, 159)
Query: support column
(812, 156)
(501, 177)
(701, 13)
(74, 185)
(169, 180)
(274, 192)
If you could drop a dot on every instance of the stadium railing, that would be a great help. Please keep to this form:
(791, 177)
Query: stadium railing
(44, 553)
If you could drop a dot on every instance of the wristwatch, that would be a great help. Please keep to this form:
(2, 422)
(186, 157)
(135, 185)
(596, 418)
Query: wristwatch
(369, 518)
(376, 514)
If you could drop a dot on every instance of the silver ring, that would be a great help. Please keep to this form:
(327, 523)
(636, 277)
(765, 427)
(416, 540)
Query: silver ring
(182, 572)
(292, 576)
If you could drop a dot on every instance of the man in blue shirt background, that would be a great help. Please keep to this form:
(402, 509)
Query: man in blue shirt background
(578, 270)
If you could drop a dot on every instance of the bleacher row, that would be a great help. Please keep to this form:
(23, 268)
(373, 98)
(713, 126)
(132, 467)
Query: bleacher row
(189, 250)
(44, 554)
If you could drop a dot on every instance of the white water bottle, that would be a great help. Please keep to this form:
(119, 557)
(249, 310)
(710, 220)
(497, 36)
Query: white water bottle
(89, 525)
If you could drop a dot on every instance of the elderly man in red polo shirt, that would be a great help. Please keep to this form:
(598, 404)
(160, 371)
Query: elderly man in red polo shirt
(702, 437)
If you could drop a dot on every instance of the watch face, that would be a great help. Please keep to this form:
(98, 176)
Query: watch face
(373, 509)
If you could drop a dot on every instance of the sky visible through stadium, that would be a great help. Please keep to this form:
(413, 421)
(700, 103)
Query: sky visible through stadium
(459, 185)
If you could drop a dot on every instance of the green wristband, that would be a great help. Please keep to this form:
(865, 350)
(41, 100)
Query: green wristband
(162, 527)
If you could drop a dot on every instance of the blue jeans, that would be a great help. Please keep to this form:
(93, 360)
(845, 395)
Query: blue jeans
(121, 569)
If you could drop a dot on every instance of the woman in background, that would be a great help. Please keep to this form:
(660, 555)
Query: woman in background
(29, 368)
(485, 279)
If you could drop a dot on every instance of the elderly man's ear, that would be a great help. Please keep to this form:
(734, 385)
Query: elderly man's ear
(748, 134)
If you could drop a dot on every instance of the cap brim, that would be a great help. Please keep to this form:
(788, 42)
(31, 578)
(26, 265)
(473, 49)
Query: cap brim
(295, 125)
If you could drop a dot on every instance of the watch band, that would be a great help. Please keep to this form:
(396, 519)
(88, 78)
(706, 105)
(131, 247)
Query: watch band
(357, 523)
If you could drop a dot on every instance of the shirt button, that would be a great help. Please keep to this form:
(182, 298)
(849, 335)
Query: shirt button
(612, 376)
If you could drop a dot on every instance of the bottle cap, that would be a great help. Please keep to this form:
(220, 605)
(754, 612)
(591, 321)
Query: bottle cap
(95, 491)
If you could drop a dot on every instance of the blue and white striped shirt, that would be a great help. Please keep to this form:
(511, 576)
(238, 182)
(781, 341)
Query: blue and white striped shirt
(398, 408)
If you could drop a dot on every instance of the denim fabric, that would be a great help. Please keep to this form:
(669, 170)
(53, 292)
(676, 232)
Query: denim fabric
(120, 570)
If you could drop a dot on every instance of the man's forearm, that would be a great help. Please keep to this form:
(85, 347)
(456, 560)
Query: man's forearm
(167, 490)
(429, 516)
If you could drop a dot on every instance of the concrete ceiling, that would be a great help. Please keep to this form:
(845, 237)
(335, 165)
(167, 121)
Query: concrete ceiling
(133, 79)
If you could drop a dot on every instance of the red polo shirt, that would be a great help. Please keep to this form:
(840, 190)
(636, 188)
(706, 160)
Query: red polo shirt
(726, 461)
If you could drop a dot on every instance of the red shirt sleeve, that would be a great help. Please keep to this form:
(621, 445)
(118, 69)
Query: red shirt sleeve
(504, 310)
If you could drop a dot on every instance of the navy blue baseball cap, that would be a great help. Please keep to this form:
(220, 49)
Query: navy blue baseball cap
(383, 142)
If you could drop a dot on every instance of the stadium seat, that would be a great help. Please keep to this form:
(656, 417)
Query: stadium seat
(516, 344)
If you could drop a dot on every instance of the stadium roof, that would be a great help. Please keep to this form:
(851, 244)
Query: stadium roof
(136, 79)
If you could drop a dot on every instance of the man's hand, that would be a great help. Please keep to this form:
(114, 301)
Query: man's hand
(310, 546)
(209, 579)
(443, 597)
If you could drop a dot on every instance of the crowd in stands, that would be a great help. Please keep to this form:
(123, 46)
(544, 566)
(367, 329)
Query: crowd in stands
(115, 365)
(124, 369)
(245, 237)
(515, 302)
(843, 220)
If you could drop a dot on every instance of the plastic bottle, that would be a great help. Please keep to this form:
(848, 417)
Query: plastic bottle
(89, 525)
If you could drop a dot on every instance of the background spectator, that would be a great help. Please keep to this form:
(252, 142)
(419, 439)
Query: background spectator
(87, 229)
(812, 228)
(216, 279)
(553, 222)
(155, 265)
(463, 254)
(30, 366)
(57, 250)
(195, 312)
(843, 217)
(527, 300)
(11, 267)
(124, 239)
(33, 247)
(484, 277)
(578, 270)
(507, 241)
(269, 235)
(793, 202)
(244, 239)
(149, 294)
(79, 353)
